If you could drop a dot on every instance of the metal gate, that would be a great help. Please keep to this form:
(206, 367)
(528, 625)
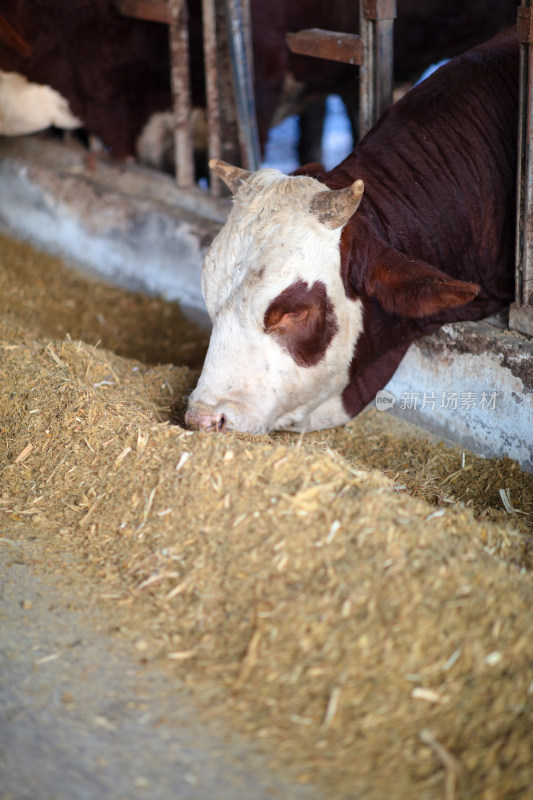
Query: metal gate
(231, 118)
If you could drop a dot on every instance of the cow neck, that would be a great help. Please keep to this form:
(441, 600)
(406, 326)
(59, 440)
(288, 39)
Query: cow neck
(385, 337)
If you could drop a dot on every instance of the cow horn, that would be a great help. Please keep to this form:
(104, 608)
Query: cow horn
(232, 176)
(333, 208)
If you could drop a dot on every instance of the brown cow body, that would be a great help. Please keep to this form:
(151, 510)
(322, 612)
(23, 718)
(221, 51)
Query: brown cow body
(314, 303)
(441, 189)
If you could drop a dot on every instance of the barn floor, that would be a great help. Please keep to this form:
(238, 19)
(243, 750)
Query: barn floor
(83, 720)
(355, 603)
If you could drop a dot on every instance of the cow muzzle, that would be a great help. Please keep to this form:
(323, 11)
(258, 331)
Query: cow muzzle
(201, 417)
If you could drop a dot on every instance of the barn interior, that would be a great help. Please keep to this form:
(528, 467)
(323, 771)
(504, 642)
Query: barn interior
(351, 606)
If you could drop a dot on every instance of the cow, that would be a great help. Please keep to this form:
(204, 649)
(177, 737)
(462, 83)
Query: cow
(319, 281)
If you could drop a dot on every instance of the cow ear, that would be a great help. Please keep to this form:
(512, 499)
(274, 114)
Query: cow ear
(413, 288)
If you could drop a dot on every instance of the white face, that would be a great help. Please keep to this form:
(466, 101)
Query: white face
(284, 331)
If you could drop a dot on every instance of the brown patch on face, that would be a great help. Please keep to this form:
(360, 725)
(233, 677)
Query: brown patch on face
(302, 320)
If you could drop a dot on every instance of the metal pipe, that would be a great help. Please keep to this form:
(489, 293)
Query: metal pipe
(521, 311)
(244, 90)
(181, 92)
(376, 27)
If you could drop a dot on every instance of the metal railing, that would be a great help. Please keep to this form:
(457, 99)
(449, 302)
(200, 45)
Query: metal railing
(231, 119)
(521, 311)
(228, 65)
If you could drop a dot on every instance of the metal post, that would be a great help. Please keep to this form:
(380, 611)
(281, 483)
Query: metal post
(181, 92)
(521, 311)
(242, 79)
(229, 135)
(211, 87)
(376, 28)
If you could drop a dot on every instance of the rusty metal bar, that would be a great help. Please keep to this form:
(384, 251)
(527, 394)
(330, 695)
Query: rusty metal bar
(244, 90)
(231, 149)
(524, 24)
(150, 10)
(316, 42)
(521, 311)
(380, 9)
(181, 92)
(376, 28)
(247, 21)
(214, 143)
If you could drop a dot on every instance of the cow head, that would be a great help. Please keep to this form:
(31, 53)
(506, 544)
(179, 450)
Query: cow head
(284, 326)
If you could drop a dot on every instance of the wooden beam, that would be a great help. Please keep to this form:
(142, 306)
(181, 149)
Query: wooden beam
(318, 43)
(150, 10)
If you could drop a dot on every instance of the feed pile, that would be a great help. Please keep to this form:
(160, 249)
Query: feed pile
(381, 643)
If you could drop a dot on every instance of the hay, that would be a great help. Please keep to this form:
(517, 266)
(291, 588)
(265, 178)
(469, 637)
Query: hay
(377, 642)
(437, 472)
(40, 298)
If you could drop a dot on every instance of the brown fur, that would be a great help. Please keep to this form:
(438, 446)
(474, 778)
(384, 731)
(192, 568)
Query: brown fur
(302, 321)
(433, 238)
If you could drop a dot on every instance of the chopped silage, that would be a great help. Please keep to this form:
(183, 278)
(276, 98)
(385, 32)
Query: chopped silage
(380, 643)
(41, 297)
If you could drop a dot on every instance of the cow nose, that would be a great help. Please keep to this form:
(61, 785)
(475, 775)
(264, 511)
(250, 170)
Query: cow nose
(204, 418)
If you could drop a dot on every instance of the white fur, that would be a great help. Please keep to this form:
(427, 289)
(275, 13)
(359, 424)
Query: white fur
(29, 107)
(156, 142)
(271, 240)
